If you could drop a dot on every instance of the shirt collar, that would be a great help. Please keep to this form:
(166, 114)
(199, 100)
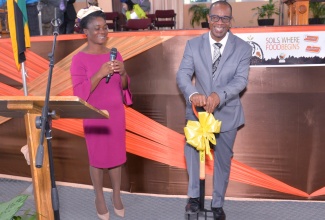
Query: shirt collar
(223, 41)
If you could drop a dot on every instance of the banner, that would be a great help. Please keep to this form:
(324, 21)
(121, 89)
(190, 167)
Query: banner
(286, 48)
(18, 27)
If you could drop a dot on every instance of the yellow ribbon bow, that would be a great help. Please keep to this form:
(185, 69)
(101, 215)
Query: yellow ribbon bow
(200, 133)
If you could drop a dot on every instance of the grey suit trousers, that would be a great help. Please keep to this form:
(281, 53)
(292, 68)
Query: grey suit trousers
(223, 153)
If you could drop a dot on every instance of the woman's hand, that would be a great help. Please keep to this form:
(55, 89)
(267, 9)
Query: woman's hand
(105, 69)
(118, 67)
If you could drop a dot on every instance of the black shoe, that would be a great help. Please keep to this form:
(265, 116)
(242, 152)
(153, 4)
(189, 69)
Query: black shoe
(193, 206)
(218, 213)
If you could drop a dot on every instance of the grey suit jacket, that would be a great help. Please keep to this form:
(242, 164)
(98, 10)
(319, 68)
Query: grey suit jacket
(231, 77)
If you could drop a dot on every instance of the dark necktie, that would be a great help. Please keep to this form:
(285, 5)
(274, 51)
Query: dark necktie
(216, 57)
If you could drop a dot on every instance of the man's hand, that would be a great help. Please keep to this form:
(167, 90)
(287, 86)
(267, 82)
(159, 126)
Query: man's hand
(198, 100)
(212, 102)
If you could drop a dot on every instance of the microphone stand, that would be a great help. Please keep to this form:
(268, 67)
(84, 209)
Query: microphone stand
(44, 123)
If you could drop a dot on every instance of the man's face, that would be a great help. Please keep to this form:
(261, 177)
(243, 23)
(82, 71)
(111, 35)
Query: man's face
(219, 28)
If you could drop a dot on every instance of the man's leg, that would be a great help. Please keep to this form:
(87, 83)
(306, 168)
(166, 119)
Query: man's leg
(193, 170)
(222, 162)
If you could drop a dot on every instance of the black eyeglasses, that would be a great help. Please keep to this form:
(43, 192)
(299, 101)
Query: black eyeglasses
(216, 18)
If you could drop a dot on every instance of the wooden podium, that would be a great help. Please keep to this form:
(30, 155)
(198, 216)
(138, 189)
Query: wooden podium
(297, 12)
(30, 107)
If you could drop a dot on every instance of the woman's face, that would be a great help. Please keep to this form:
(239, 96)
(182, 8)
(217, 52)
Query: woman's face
(97, 31)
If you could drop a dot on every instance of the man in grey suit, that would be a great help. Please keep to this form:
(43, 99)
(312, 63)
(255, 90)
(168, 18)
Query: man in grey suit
(216, 90)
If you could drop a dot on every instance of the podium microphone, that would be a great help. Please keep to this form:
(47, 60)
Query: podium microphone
(112, 57)
(56, 22)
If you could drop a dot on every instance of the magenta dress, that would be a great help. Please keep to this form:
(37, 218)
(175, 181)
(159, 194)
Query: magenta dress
(105, 138)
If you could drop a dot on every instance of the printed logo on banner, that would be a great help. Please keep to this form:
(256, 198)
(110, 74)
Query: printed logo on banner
(282, 48)
(282, 57)
(275, 47)
(312, 48)
(257, 52)
(309, 38)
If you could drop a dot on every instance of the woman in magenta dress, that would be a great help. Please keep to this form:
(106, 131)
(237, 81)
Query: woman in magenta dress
(105, 138)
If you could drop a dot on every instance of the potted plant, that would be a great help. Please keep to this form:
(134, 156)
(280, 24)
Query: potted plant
(318, 11)
(265, 13)
(199, 13)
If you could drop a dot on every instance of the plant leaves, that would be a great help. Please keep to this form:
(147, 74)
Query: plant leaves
(199, 12)
(27, 216)
(9, 209)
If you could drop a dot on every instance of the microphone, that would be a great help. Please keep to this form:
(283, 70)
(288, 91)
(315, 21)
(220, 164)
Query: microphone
(112, 57)
(56, 22)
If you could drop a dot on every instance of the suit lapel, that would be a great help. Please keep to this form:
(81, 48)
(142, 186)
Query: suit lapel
(207, 51)
(229, 49)
(207, 63)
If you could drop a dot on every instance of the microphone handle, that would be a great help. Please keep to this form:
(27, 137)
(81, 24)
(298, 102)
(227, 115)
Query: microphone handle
(108, 77)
